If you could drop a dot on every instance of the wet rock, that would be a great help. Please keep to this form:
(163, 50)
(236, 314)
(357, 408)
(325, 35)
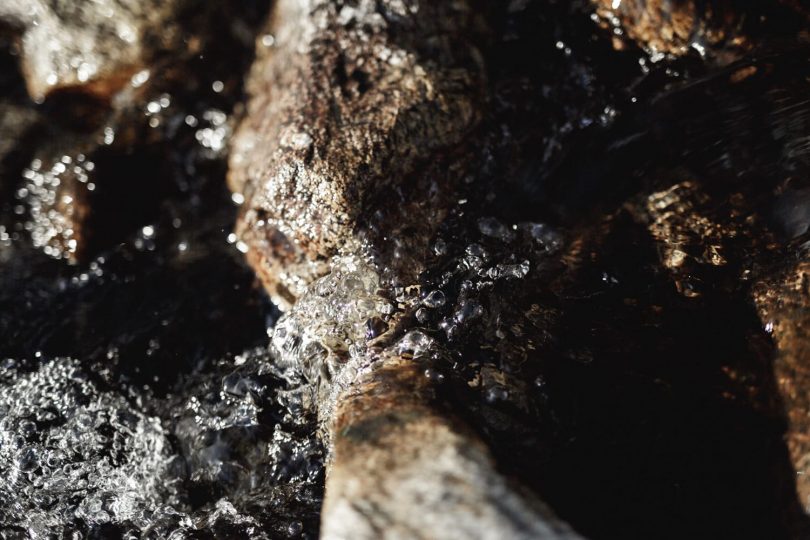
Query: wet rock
(92, 46)
(498, 302)
(100, 167)
(672, 27)
(372, 343)
(375, 397)
(722, 30)
(697, 243)
(781, 301)
(725, 238)
(399, 464)
(412, 349)
(79, 197)
(401, 469)
(57, 203)
(346, 104)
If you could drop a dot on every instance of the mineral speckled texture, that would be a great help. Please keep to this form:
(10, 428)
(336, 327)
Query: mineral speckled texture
(504, 304)
(347, 101)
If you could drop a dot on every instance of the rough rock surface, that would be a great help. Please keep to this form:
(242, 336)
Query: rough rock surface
(401, 469)
(70, 192)
(782, 301)
(721, 29)
(673, 27)
(345, 104)
(360, 127)
(96, 46)
(710, 222)
(733, 230)
(470, 319)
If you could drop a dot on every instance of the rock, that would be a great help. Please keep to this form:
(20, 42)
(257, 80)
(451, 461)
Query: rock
(325, 215)
(781, 301)
(345, 106)
(719, 246)
(399, 466)
(697, 242)
(401, 469)
(56, 194)
(100, 167)
(672, 27)
(720, 29)
(82, 196)
(95, 47)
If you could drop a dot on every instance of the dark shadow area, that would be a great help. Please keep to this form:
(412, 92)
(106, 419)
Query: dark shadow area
(667, 421)
(653, 410)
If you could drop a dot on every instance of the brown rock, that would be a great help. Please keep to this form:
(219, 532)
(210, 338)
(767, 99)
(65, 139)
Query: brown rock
(671, 26)
(401, 469)
(782, 302)
(345, 106)
(721, 28)
(82, 192)
(95, 46)
(399, 465)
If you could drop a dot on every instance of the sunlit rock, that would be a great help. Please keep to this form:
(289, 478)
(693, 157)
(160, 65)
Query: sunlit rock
(345, 105)
(93, 46)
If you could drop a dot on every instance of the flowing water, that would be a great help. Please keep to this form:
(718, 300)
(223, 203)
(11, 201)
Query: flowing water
(146, 391)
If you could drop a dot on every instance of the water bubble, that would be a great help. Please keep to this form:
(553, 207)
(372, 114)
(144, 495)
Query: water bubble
(434, 375)
(434, 299)
(469, 310)
(375, 327)
(414, 342)
(544, 236)
(495, 229)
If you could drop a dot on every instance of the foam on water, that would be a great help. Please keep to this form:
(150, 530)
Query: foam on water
(71, 452)
(77, 458)
(324, 336)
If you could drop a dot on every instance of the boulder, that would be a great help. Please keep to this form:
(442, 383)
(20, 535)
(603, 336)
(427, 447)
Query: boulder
(345, 106)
